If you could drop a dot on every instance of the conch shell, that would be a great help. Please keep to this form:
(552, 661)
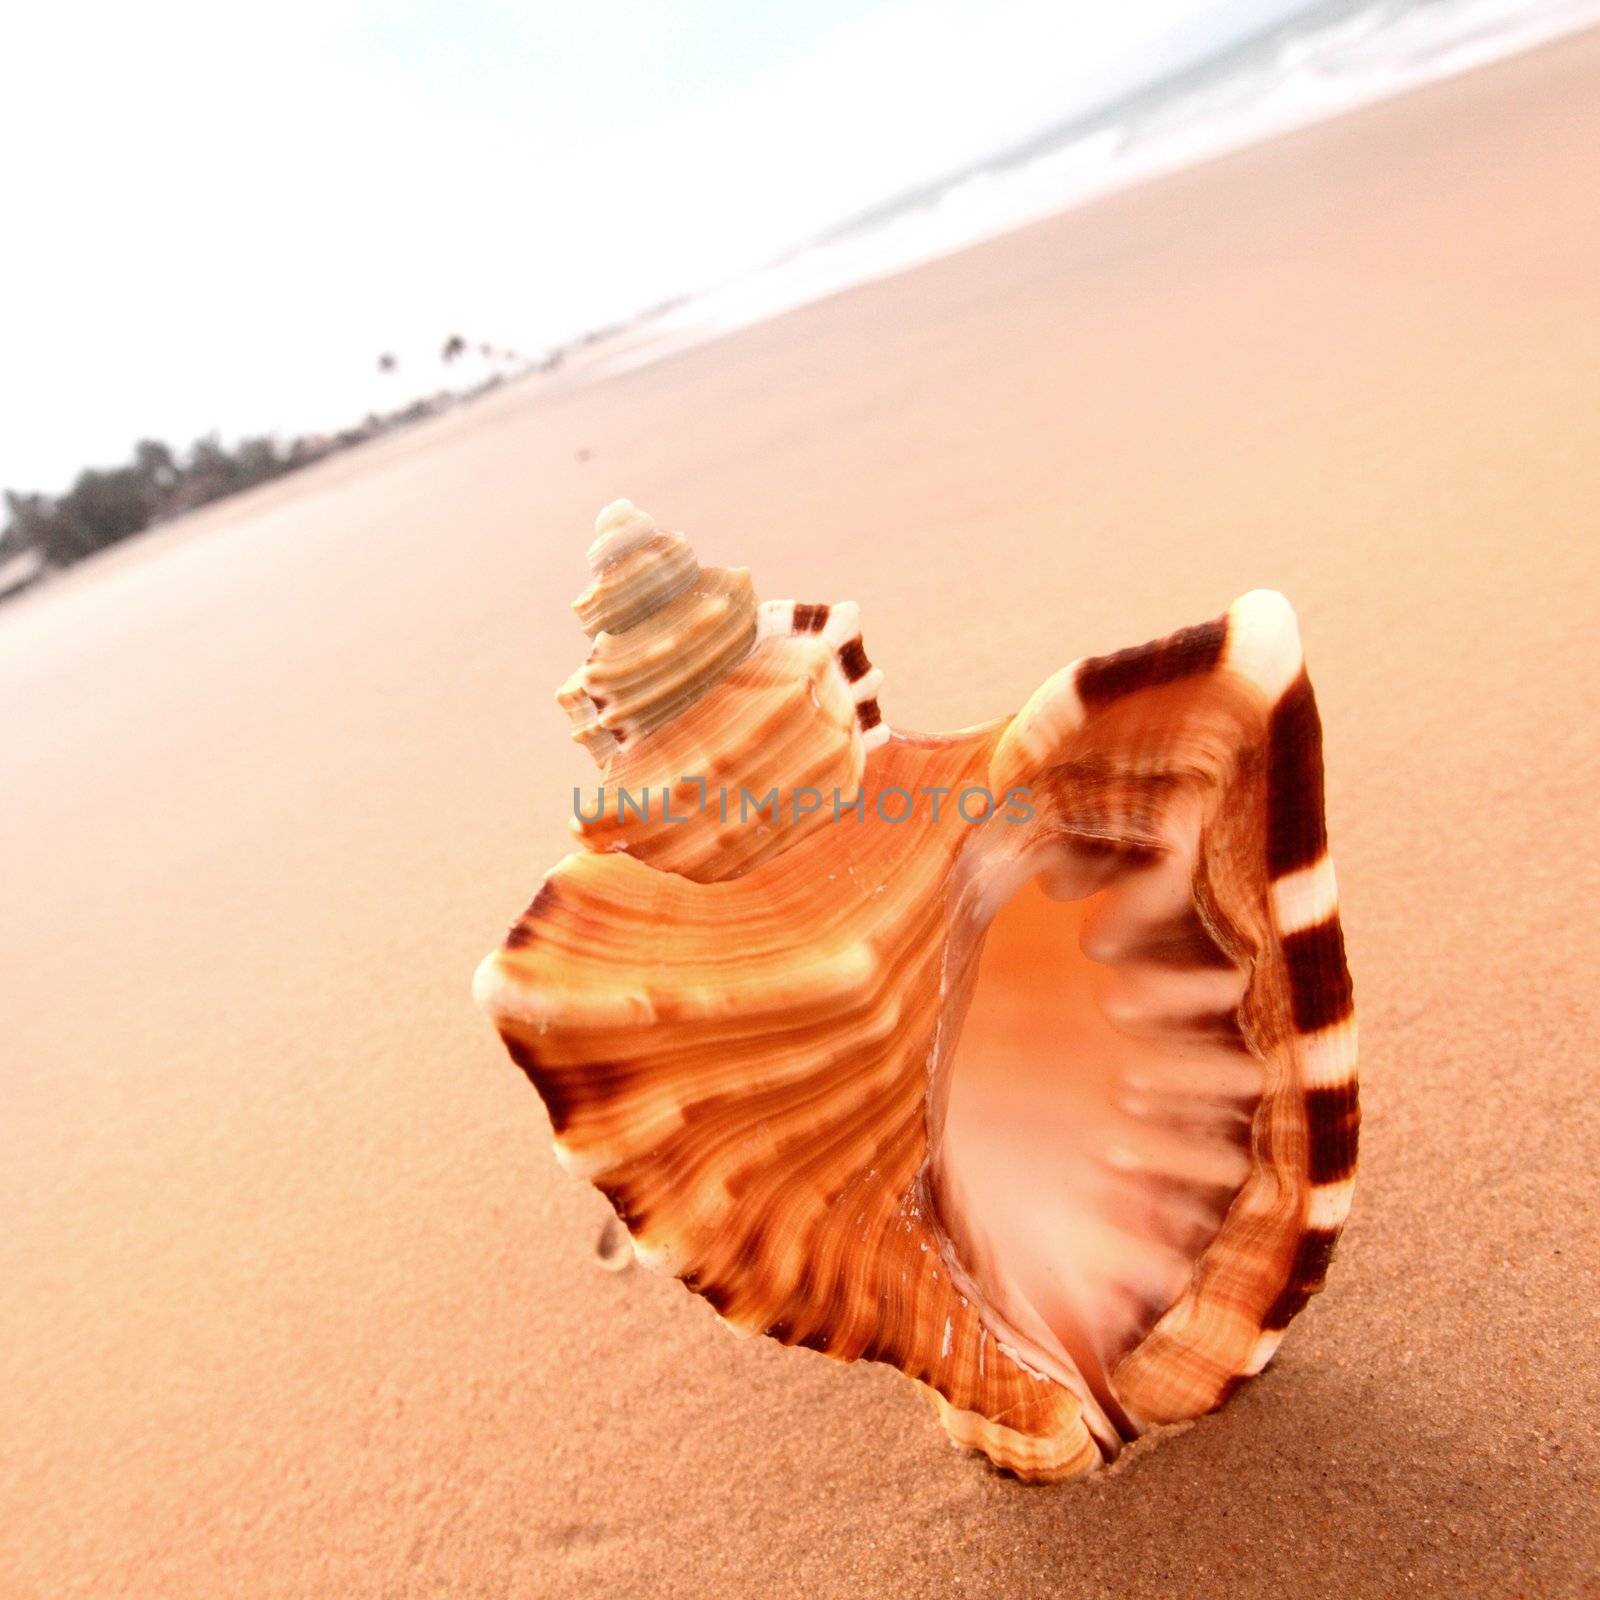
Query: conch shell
(1021, 1059)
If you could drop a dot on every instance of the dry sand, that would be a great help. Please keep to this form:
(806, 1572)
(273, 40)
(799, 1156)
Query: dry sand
(297, 1302)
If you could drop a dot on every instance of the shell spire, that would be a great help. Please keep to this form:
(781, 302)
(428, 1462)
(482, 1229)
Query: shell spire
(664, 628)
(730, 710)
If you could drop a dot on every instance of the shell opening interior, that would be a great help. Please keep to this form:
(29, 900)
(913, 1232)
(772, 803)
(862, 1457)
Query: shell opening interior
(1092, 1093)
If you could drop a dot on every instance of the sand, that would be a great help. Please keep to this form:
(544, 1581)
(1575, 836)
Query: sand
(297, 1302)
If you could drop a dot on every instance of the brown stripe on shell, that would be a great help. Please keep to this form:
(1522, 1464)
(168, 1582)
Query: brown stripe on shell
(1333, 1127)
(810, 619)
(1221, 1027)
(521, 933)
(567, 1089)
(1183, 941)
(1127, 855)
(521, 1052)
(1306, 1276)
(1186, 654)
(554, 1088)
(1240, 1131)
(621, 1202)
(1297, 833)
(1229, 1389)
(1320, 994)
(868, 715)
(719, 1296)
(853, 659)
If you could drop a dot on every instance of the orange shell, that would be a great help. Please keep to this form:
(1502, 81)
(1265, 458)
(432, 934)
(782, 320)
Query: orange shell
(1077, 1193)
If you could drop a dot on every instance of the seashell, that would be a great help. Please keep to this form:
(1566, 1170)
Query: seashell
(1024, 1062)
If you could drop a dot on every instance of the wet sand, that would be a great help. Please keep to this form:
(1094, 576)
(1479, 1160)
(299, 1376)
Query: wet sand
(297, 1301)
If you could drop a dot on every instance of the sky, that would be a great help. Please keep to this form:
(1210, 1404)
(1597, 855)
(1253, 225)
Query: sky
(217, 217)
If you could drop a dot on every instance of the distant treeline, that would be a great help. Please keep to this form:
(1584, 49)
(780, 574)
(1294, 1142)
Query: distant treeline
(108, 504)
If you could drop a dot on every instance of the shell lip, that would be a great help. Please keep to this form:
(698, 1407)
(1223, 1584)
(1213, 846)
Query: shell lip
(1073, 1346)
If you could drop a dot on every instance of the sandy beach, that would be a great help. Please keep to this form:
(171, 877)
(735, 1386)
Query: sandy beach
(298, 1302)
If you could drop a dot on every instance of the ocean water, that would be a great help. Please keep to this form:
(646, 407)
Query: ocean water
(1329, 58)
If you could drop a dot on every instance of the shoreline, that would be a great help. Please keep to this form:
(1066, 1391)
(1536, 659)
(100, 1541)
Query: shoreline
(693, 318)
(686, 320)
